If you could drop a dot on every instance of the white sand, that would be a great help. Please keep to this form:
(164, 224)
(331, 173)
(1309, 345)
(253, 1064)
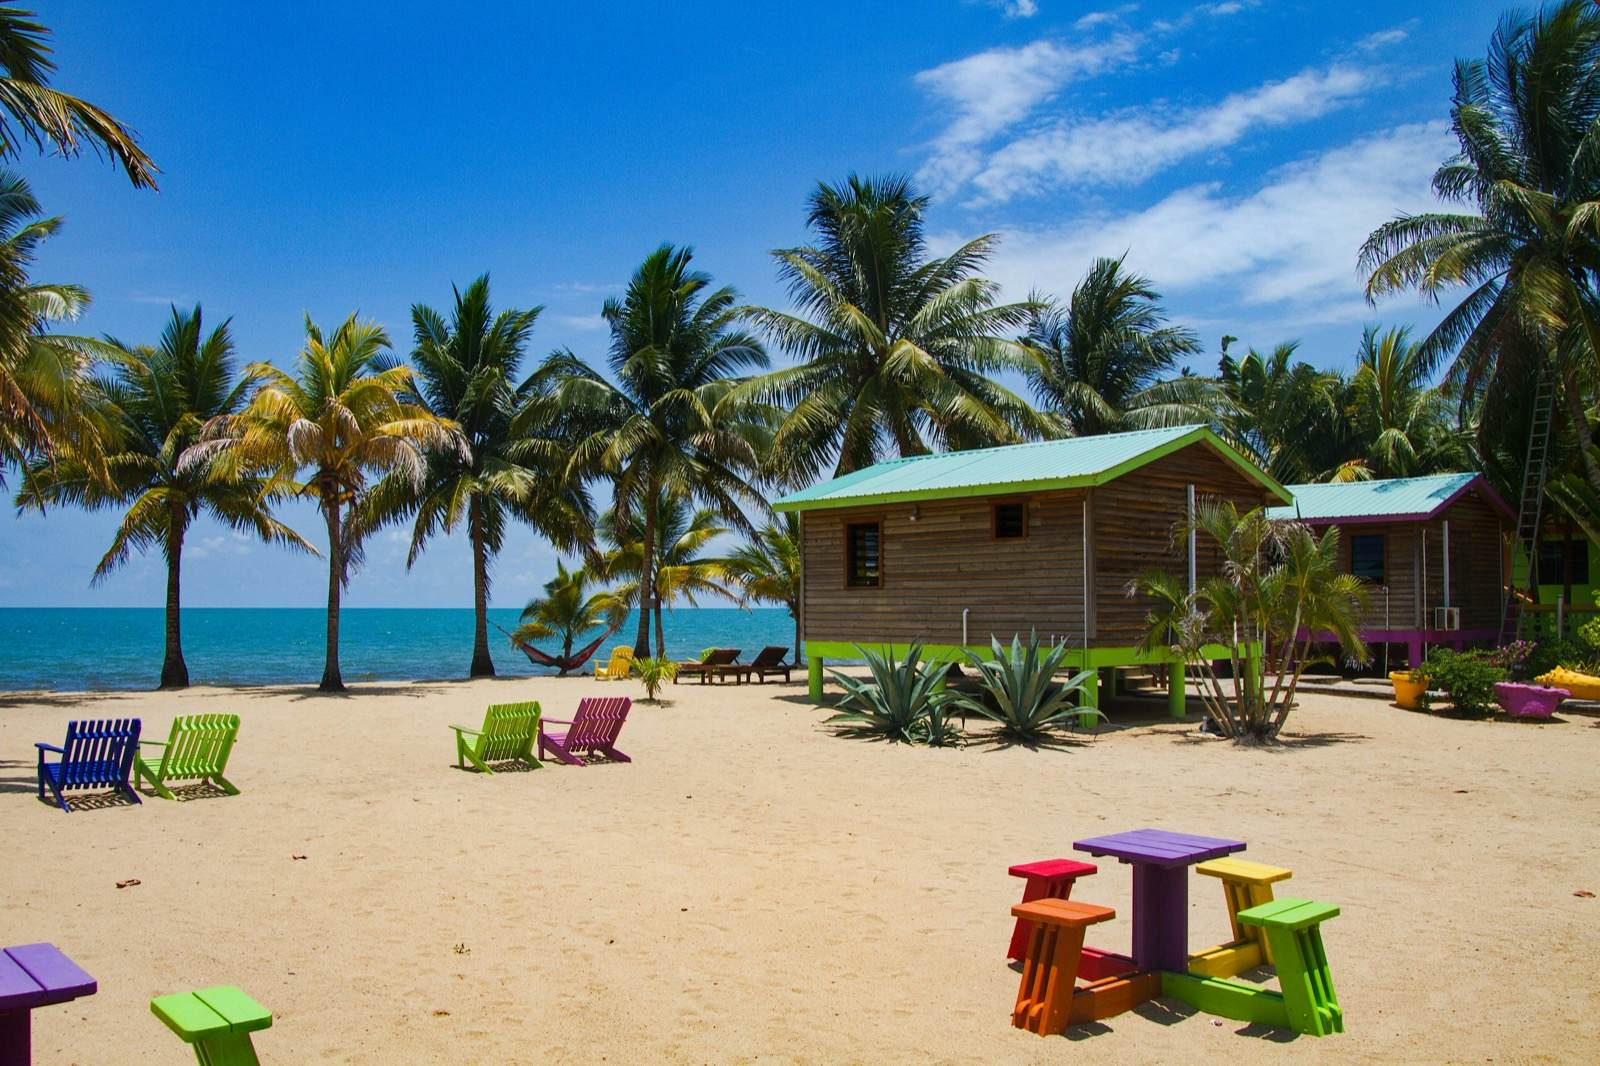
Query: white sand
(754, 886)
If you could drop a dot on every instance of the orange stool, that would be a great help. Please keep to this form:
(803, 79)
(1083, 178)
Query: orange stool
(1050, 966)
(1046, 879)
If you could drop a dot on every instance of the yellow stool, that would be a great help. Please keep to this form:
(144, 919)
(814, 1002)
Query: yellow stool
(1245, 884)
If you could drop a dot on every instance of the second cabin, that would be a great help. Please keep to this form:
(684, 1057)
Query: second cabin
(948, 550)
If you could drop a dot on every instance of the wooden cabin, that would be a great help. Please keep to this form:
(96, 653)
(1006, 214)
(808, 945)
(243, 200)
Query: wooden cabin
(1433, 550)
(948, 550)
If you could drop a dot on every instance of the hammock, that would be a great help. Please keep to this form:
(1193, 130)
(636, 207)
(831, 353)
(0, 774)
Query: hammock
(573, 662)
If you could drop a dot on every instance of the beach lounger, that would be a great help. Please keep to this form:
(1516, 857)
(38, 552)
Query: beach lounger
(508, 734)
(710, 665)
(616, 668)
(770, 661)
(196, 750)
(593, 729)
(216, 1022)
(95, 755)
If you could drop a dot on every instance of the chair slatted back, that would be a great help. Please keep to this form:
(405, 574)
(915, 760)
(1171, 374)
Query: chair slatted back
(722, 657)
(99, 754)
(598, 722)
(771, 655)
(509, 731)
(199, 746)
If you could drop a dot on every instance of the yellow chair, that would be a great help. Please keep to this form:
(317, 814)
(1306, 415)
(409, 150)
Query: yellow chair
(618, 667)
(1245, 884)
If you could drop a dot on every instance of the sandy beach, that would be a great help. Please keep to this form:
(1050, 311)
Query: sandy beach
(755, 887)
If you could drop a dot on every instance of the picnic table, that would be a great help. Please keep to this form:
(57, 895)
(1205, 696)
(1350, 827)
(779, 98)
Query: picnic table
(33, 975)
(1160, 862)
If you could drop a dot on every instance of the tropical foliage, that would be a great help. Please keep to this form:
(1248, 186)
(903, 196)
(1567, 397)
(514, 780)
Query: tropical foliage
(682, 571)
(568, 611)
(653, 672)
(766, 568)
(901, 700)
(1024, 696)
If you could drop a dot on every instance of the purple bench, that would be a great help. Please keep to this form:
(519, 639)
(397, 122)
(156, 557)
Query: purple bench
(33, 975)
(1160, 862)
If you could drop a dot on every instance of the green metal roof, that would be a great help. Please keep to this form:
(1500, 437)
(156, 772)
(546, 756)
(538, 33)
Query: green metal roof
(1075, 462)
(1400, 499)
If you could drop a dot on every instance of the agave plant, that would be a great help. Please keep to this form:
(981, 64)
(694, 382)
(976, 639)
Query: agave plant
(1027, 699)
(654, 673)
(904, 701)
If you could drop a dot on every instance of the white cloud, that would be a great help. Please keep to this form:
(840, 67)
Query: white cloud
(1285, 252)
(993, 90)
(1101, 18)
(581, 323)
(1016, 9)
(1129, 146)
(1382, 39)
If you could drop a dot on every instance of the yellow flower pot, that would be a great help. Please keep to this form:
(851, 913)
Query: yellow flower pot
(1407, 692)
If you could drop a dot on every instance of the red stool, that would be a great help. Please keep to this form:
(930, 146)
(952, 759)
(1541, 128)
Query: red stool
(1046, 879)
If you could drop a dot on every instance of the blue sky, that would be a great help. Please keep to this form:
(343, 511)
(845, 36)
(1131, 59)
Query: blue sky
(342, 157)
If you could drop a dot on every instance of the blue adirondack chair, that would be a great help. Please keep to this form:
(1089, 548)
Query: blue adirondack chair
(95, 755)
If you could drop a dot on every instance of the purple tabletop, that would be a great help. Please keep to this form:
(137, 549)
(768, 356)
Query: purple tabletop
(35, 975)
(1158, 847)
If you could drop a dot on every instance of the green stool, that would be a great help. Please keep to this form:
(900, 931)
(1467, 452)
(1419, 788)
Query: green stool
(217, 1021)
(1294, 936)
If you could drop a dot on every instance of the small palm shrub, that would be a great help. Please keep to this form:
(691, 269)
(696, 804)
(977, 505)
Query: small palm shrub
(1028, 701)
(902, 701)
(654, 673)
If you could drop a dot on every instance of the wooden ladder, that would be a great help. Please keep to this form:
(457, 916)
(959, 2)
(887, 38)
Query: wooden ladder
(1531, 509)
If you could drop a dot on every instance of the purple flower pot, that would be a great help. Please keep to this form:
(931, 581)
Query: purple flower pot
(1528, 701)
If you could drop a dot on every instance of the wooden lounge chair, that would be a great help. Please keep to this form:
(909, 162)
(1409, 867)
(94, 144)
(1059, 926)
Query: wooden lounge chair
(593, 729)
(196, 750)
(616, 668)
(709, 666)
(94, 755)
(770, 661)
(508, 733)
(216, 1022)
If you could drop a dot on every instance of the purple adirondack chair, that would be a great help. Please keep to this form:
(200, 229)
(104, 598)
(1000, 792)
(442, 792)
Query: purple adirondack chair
(593, 729)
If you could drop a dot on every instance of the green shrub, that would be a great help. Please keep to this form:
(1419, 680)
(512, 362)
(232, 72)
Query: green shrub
(1020, 681)
(654, 673)
(903, 701)
(1552, 652)
(1466, 678)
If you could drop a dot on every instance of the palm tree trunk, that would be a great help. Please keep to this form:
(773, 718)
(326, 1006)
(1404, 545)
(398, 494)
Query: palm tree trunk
(661, 633)
(482, 664)
(174, 671)
(647, 577)
(331, 681)
(795, 614)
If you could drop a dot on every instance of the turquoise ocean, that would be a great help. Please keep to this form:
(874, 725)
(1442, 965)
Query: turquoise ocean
(68, 648)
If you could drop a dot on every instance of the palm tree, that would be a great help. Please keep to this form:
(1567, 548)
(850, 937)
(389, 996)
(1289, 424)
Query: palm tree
(44, 403)
(766, 568)
(1527, 119)
(160, 398)
(341, 416)
(50, 119)
(514, 464)
(1402, 423)
(1100, 363)
(894, 346)
(671, 425)
(1281, 411)
(682, 571)
(567, 611)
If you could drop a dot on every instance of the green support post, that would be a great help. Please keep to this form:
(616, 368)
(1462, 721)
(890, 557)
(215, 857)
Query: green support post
(1176, 695)
(814, 677)
(1089, 696)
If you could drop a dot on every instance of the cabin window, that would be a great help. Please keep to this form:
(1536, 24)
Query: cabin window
(1010, 521)
(1563, 560)
(1367, 557)
(863, 565)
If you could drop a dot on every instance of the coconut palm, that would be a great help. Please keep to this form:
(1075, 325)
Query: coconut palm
(159, 399)
(568, 610)
(1101, 362)
(670, 424)
(341, 417)
(1282, 412)
(1527, 119)
(894, 346)
(514, 465)
(32, 112)
(683, 571)
(1403, 423)
(766, 568)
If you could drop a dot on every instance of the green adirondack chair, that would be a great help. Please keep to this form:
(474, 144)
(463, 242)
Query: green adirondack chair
(216, 1022)
(197, 750)
(509, 732)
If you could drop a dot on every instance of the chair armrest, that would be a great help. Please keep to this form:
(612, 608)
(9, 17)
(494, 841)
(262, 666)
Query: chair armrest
(42, 746)
(556, 721)
(464, 729)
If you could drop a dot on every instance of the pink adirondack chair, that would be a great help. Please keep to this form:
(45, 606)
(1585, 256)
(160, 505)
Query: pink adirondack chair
(593, 729)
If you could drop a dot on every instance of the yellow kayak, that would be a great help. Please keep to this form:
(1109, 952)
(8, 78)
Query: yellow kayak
(1582, 686)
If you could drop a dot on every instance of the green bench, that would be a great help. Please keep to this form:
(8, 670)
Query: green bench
(217, 1022)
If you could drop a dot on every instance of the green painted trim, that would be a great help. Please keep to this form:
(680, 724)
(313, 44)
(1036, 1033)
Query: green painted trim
(1009, 488)
(1227, 999)
(1177, 694)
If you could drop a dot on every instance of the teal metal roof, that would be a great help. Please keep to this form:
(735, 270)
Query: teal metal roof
(1056, 464)
(1400, 499)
